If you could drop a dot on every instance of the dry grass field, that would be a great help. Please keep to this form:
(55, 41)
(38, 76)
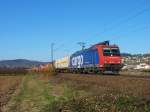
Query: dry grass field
(80, 93)
(8, 85)
(106, 93)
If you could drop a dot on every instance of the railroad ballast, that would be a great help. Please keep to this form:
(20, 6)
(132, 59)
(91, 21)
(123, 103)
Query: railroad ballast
(99, 58)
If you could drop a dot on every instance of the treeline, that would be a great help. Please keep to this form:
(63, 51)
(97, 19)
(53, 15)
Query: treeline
(44, 69)
(15, 71)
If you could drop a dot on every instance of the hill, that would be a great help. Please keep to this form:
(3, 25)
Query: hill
(20, 63)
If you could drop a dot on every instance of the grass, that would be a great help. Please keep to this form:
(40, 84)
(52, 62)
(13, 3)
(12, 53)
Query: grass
(148, 70)
(105, 94)
(80, 94)
(8, 85)
(106, 103)
(32, 96)
(13, 74)
(36, 96)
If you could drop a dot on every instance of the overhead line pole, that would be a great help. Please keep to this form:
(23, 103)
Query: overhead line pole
(52, 54)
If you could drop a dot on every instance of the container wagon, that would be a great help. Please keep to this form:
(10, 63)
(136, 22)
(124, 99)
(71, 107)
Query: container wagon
(62, 65)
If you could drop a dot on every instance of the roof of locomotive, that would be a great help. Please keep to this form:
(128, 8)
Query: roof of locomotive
(102, 44)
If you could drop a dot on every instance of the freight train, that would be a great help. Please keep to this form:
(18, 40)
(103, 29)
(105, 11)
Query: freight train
(99, 58)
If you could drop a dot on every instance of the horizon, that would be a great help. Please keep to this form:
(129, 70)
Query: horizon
(29, 27)
(50, 60)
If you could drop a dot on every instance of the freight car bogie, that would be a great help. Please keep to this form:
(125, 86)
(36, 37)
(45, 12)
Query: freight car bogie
(62, 70)
(91, 70)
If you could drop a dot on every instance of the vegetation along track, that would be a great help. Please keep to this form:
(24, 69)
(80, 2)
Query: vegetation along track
(136, 77)
(8, 85)
(106, 93)
(80, 93)
(140, 76)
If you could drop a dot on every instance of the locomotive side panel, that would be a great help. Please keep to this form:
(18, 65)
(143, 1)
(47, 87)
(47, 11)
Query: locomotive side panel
(84, 59)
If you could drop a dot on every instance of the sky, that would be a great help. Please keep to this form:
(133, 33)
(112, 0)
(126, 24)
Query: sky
(28, 27)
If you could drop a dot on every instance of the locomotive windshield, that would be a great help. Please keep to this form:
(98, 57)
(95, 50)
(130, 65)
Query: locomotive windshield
(107, 52)
(115, 52)
(111, 52)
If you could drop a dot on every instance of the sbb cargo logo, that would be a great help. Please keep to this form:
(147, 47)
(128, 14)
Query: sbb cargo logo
(77, 61)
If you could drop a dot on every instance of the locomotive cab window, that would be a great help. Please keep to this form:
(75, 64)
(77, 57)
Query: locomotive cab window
(115, 51)
(111, 52)
(106, 52)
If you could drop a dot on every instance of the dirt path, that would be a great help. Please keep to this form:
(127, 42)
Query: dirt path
(8, 85)
(34, 95)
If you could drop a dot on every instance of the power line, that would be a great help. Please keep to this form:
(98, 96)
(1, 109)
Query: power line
(138, 29)
(62, 50)
(125, 20)
(141, 28)
(59, 47)
(128, 19)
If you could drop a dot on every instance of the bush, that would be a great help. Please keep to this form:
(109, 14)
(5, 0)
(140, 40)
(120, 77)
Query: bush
(13, 71)
(148, 70)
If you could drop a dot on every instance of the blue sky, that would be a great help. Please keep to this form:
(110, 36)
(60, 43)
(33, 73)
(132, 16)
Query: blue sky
(28, 27)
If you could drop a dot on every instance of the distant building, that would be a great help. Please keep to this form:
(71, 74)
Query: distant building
(143, 66)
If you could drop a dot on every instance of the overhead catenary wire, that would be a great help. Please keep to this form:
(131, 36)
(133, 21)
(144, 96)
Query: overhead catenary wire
(127, 20)
(135, 30)
(60, 49)
(123, 21)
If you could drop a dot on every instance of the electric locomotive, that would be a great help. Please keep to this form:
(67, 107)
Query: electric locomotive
(99, 58)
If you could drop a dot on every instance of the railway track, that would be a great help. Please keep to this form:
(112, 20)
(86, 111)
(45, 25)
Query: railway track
(136, 77)
(129, 76)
